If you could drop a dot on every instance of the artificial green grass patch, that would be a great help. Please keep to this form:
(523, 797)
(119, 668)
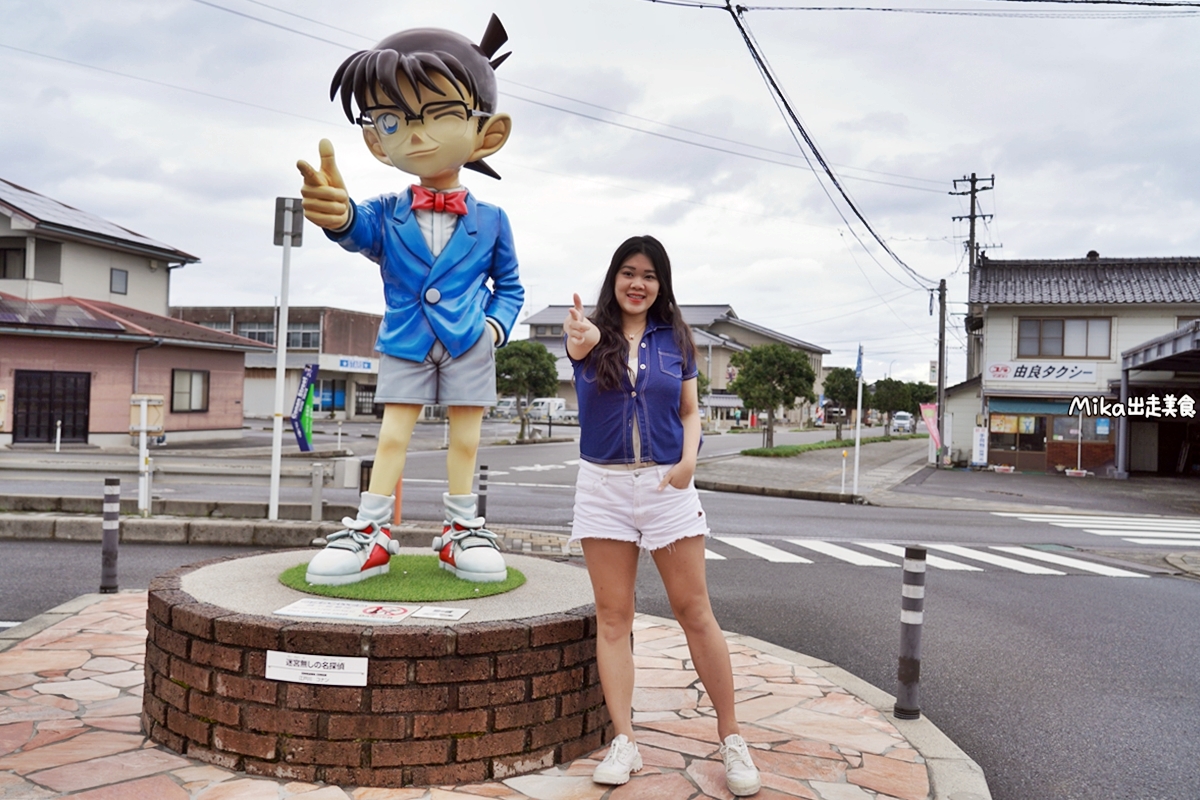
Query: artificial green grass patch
(410, 579)
(787, 450)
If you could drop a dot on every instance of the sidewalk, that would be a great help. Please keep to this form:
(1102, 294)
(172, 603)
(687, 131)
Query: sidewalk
(70, 705)
(896, 474)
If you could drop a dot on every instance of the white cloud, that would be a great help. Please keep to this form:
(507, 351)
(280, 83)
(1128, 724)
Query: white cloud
(1087, 125)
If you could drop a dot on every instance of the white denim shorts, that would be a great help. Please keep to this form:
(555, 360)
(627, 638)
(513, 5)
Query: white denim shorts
(627, 506)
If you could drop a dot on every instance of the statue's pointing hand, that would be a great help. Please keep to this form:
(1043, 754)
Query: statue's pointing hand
(326, 202)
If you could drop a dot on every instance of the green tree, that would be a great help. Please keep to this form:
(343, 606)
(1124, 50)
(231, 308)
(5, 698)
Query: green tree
(890, 396)
(841, 389)
(920, 392)
(526, 369)
(770, 376)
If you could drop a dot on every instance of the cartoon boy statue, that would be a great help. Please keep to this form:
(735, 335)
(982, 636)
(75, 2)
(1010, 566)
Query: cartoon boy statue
(427, 106)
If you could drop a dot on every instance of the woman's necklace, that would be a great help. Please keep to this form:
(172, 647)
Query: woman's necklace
(634, 336)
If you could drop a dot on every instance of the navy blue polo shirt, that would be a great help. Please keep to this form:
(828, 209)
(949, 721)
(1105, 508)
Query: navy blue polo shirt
(606, 417)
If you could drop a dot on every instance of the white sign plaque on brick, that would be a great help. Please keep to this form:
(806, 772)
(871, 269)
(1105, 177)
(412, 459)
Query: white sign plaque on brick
(324, 670)
(355, 610)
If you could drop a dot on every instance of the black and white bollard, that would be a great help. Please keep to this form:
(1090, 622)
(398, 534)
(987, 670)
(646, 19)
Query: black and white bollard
(912, 617)
(483, 480)
(111, 535)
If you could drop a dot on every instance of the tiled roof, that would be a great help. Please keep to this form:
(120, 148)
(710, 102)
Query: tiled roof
(54, 217)
(71, 313)
(1087, 281)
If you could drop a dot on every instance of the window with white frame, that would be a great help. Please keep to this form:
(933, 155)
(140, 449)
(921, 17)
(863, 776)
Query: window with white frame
(118, 281)
(1086, 337)
(189, 390)
(304, 335)
(258, 331)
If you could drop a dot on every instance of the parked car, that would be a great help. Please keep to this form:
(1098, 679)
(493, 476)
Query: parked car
(506, 407)
(551, 408)
(903, 422)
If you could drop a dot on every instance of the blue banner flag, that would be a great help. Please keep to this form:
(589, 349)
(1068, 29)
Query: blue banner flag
(858, 367)
(302, 408)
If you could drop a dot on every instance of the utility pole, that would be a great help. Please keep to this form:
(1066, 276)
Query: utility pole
(976, 184)
(941, 383)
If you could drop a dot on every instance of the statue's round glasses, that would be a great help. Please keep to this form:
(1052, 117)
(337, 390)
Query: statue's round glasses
(443, 121)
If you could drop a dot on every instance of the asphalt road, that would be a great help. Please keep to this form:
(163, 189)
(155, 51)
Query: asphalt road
(1071, 686)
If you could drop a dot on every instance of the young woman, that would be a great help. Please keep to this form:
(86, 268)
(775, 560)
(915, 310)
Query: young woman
(635, 376)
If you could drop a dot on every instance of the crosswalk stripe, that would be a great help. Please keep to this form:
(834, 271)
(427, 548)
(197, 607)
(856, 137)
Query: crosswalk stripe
(1076, 521)
(1096, 518)
(7, 625)
(1130, 532)
(995, 560)
(1167, 542)
(1074, 563)
(842, 553)
(933, 561)
(763, 550)
(1131, 525)
(711, 556)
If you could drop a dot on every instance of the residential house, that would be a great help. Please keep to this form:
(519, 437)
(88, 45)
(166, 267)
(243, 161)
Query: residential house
(83, 327)
(718, 332)
(1045, 335)
(341, 343)
(49, 249)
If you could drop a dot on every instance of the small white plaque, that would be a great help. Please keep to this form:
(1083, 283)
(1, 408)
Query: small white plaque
(436, 612)
(325, 670)
(355, 610)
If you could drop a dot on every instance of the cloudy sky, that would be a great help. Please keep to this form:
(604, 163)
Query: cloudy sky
(182, 120)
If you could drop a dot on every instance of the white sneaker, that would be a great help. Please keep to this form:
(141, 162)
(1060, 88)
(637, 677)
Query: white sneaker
(623, 758)
(741, 776)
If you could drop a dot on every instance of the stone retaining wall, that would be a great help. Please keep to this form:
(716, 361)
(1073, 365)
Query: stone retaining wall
(442, 705)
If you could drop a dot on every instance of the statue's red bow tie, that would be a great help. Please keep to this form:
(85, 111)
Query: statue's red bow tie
(453, 202)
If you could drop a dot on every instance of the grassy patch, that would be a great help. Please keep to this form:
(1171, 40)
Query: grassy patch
(787, 450)
(411, 579)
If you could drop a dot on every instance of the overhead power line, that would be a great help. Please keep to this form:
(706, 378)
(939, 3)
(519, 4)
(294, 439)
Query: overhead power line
(781, 99)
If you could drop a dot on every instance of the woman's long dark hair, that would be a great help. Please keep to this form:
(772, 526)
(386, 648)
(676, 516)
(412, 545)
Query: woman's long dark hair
(611, 354)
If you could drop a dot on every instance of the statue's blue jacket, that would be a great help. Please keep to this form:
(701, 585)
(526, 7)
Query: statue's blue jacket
(446, 299)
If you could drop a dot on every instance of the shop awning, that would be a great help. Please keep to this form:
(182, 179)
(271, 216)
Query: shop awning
(1020, 405)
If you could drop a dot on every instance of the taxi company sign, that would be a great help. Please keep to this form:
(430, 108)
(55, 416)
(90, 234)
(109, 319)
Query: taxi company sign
(1030, 372)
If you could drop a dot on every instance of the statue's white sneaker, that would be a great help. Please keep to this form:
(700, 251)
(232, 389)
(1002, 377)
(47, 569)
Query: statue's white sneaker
(363, 549)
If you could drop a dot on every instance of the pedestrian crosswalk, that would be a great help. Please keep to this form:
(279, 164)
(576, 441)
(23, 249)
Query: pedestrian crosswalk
(956, 558)
(1180, 532)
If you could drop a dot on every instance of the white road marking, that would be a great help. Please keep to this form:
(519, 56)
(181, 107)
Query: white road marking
(1089, 521)
(933, 561)
(762, 550)
(1159, 534)
(842, 553)
(7, 625)
(1167, 542)
(711, 556)
(995, 560)
(1073, 563)
(538, 467)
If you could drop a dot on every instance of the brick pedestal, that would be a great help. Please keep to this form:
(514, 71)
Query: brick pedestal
(442, 704)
